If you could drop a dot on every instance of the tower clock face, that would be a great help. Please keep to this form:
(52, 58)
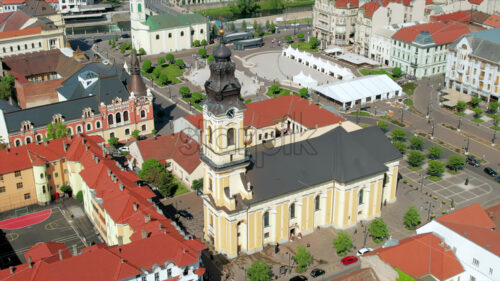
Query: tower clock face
(230, 113)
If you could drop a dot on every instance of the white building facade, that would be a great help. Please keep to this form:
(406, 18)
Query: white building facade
(473, 65)
(334, 21)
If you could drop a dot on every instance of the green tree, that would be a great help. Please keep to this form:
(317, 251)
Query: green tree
(166, 184)
(416, 143)
(146, 66)
(113, 43)
(456, 162)
(204, 42)
(179, 63)
(56, 131)
(202, 52)
(400, 145)
(215, 29)
(170, 58)
(157, 71)
(151, 171)
(416, 158)
(259, 271)
(196, 97)
(163, 78)
(274, 89)
(382, 125)
(244, 7)
(185, 92)
(136, 134)
(196, 43)
(161, 60)
(113, 141)
(435, 152)
(272, 27)
(154, 131)
(244, 25)
(303, 92)
(79, 196)
(259, 30)
(435, 168)
(475, 101)
(210, 58)
(477, 112)
(493, 106)
(313, 42)
(232, 27)
(142, 52)
(300, 36)
(65, 188)
(461, 105)
(255, 24)
(277, 4)
(7, 88)
(303, 258)
(378, 230)
(288, 38)
(342, 243)
(396, 71)
(398, 134)
(198, 184)
(411, 218)
(267, 24)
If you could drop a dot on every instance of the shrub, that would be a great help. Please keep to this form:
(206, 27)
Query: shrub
(382, 125)
(196, 97)
(416, 158)
(161, 60)
(416, 143)
(461, 105)
(204, 42)
(300, 36)
(196, 43)
(179, 63)
(198, 184)
(142, 52)
(396, 71)
(202, 52)
(146, 66)
(79, 196)
(157, 71)
(303, 92)
(170, 58)
(400, 145)
(456, 162)
(313, 42)
(435, 152)
(185, 92)
(398, 134)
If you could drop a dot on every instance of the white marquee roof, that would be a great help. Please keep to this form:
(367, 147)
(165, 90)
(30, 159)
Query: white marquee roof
(305, 80)
(359, 88)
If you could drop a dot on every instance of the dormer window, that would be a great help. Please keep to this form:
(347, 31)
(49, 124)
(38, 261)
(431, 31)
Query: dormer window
(26, 126)
(87, 78)
(57, 118)
(87, 112)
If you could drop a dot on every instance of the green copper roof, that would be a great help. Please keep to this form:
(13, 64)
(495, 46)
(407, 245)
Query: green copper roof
(165, 21)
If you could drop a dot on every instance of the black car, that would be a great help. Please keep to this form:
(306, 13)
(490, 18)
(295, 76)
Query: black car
(317, 272)
(125, 35)
(490, 171)
(472, 161)
(185, 214)
(97, 40)
(299, 278)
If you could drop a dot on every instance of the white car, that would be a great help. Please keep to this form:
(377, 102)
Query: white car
(123, 149)
(363, 251)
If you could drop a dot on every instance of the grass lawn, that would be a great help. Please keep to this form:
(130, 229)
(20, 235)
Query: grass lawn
(181, 189)
(403, 276)
(173, 71)
(361, 113)
(496, 128)
(364, 125)
(408, 102)
(263, 6)
(377, 71)
(409, 87)
(414, 168)
(247, 101)
(434, 178)
(282, 93)
(477, 120)
(304, 46)
(305, 20)
(491, 115)
(460, 113)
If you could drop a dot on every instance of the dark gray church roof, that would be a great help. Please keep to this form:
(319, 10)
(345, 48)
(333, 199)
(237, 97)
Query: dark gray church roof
(336, 155)
(42, 115)
(111, 83)
(7, 107)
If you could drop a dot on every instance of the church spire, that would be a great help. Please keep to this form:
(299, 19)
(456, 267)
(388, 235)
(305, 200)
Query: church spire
(136, 84)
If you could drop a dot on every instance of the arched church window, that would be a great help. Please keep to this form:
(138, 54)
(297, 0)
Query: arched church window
(230, 136)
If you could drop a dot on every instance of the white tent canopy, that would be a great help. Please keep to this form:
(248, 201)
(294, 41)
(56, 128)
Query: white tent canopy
(360, 90)
(325, 66)
(333, 50)
(305, 80)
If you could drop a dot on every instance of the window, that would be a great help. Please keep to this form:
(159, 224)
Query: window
(201, 31)
(11, 49)
(475, 262)
(157, 36)
(98, 124)
(210, 184)
(17, 174)
(209, 134)
(490, 272)
(292, 211)
(17, 142)
(41, 175)
(192, 32)
(143, 113)
(316, 203)
(127, 132)
(25, 46)
(19, 185)
(18, 48)
(27, 196)
(170, 35)
(125, 116)
(28, 140)
(56, 175)
(182, 33)
(112, 135)
(131, 10)
(44, 189)
(2, 189)
(78, 129)
(38, 138)
(118, 117)
(169, 273)
(472, 278)
(139, 7)
(266, 219)
(230, 136)
(110, 119)
(4, 49)
(143, 127)
(89, 126)
(1, 177)
(360, 201)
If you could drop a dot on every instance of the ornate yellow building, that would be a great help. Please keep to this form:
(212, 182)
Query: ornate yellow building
(253, 198)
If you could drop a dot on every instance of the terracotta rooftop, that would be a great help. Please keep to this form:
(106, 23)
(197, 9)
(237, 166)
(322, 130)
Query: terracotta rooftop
(267, 112)
(475, 224)
(346, 3)
(469, 16)
(428, 256)
(179, 147)
(43, 250)
(493, 21)
(441, 32)
(369, 8)
(365, 274)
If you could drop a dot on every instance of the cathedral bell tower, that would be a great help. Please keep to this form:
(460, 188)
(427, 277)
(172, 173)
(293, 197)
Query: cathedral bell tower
(223, 149)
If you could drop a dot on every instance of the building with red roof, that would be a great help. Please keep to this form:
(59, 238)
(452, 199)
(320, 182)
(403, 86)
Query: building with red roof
(419, 256)
(157, 257)
(472, 234)
(421, 50)
(270, 119)
(178, 151)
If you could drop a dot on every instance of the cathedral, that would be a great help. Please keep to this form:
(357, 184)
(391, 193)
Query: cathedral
(255, 197)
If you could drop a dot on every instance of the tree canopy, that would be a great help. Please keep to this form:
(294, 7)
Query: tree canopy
(398, 134)
(461, 105)
(259, 271)
(185, 92)
(244, 7)
(303, 258)
(417, 143)
(170, 57)
(411, 218)
(146, 66)
(435, 152)
(435, 168)
(416, 158)
(456, 162)
(7, 88)
(342, 243)
(378, 230)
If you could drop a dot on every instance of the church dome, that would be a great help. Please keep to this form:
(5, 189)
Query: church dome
(222, 53)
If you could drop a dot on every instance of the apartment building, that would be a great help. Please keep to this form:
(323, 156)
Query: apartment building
(334, 21)
(473, 64)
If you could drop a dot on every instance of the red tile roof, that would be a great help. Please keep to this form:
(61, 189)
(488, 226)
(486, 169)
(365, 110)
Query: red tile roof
(442, 33)
(266, 113)
(428, 256)
(474, 223)
(493, 21)
(429, 2)
(13, 20)
(22, 32)
(178, 147)
(13, 2)
(369, 8)
(44, 250)
(344, 3)
(462, 16)
(476, 2)
(101, 262)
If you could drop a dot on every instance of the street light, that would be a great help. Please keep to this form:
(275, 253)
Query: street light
(432, 133)
(459, 123)
(494, 138)
(402, 114)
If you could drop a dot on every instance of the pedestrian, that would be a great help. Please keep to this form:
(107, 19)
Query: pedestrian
(356, 231)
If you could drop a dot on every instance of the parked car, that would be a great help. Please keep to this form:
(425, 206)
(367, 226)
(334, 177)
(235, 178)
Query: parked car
(317, 272)
(363, 251)
(185, 214)
(490, 171)
(123, 149)
(97, 40)
(472, 161)
(125, 35)
(298, 278)
(349, 260)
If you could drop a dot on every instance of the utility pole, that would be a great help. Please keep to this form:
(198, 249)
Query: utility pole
(459, 123)
(402, 114)
(432, 132)
(428, 110)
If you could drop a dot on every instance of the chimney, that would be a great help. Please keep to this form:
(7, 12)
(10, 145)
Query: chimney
(109, 172)
(147, 218)
(46, 143)
(136, 206)
(75, 250)
(160, 226)
(122, 187)
(30, 264)
(97, 160)
(11, 268)
(144, 234)
(122, 260)
(69, 137)
(64, 145)
(60, 255)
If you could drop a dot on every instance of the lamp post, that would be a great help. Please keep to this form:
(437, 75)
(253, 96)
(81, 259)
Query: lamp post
(357, 116)
(428, 110)
(432, 132)
(402, 114)
(494, 138)
(459, 123)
